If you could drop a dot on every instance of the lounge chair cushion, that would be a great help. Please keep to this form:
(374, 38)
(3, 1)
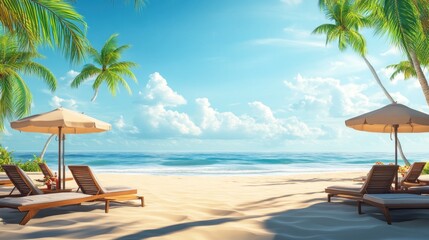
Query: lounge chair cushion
(423, 189)
(398, 198)
(344, 189)
(14, 202)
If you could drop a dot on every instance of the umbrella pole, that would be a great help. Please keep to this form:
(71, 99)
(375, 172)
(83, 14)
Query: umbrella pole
(64, 165)
(396, 154)
(60, 140)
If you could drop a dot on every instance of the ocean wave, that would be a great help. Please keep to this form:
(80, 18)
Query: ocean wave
(220, 163)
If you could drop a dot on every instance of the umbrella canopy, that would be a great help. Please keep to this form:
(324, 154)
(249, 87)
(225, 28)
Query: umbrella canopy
(60, 121)
(71, 122)
(386, 118)
(391, 118)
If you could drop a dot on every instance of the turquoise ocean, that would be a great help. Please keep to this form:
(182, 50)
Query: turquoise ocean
(222, 163)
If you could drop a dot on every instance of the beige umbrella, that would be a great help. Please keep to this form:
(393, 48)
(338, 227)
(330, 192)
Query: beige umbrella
(391, 118)
(60, 121)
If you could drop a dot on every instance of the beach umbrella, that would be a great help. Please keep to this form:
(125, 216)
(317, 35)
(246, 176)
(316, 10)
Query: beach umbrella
(393, 118)
(60, 121)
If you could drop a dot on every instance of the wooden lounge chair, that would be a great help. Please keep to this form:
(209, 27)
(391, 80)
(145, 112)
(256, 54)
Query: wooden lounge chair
(48, 173)
(379, 180)
(411, 178)
(21, 181)
(32, 204)
(88, 184)
(385, 202)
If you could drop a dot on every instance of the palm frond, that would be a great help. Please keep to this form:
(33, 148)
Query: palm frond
(402, 22)
(6, 100)
(41, 71)
(89, 70)
(22, 97)
(405, 68)
(54, 23)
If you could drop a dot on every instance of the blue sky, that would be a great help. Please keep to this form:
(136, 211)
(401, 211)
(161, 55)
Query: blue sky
(225, 76)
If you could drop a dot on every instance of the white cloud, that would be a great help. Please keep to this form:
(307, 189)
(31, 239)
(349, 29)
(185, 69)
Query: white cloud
(291, 2)
(158, 122)
(399, 98)
(392, 51)
(159, 118)
(155, 120)
(329, 97)
(263, 124)
(121, 125)
(282, 42)
(157, 92)
(57, 102)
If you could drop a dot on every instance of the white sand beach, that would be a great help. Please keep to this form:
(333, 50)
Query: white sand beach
(220, 207)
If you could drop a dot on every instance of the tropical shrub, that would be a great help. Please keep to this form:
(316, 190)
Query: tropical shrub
(32, 165)
(5, 157)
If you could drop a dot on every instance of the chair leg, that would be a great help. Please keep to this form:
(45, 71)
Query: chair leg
(387, 215)
(329, 197)
(359, 207)
(29, 215)
(142, 201)
(106, 206)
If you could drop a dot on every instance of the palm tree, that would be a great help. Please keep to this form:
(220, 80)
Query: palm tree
(15, 97)
(345, 29)
(110, 70)
(404, 67)
(47, 22)
(348, 18)
(406, 22)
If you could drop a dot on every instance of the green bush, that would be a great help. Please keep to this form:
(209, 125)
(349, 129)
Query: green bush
(5, 157)
(426, 169)
(31, 165)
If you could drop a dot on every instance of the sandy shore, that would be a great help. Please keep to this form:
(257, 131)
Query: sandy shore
(220, 207)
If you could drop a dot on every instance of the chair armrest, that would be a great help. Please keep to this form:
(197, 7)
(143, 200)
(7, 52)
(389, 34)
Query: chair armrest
(425, 182)
(412, 184)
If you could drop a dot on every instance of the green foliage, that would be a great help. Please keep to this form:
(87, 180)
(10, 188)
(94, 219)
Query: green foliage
(5, 157)
(31, 165)
(15, 96)
(46, 22)
(426, 169)
(108, 68)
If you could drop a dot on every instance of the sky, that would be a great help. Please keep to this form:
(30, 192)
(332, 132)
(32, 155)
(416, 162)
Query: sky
(225, 76)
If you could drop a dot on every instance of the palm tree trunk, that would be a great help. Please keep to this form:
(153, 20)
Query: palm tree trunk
(377, 79)
(420, 75)
(95, 95)
(46, 146)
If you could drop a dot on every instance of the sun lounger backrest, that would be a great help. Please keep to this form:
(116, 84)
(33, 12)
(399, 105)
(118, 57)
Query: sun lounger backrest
(86, 180)
(45, 170)
(414, 172)
(21, 180)
(379, 179)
